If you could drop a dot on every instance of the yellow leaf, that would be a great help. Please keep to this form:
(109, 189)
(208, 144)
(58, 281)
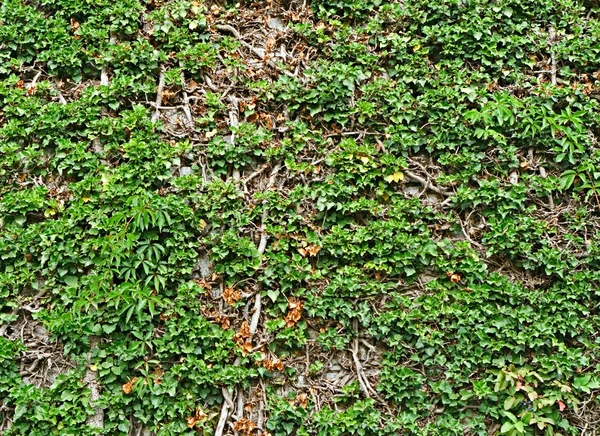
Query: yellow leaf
(364, 159)
(396, 177)
(86, 199)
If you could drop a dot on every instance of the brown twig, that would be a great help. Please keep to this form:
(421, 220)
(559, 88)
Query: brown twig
(258, 53)
(256, 173)
(427, 184)
(360, 374)
(104, 73)
(61, 98)
(227, 405)
(262, 245)
(91, 379)
(227, 402)
(159, 94)
(543, 175)
(186, 101)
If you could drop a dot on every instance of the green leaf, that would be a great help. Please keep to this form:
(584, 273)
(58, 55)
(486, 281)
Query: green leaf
(20, 410)
(273, 294)
(509, 402)
(71, 281)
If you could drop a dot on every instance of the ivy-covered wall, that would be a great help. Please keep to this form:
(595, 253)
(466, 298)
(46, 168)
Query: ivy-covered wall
(348, 217)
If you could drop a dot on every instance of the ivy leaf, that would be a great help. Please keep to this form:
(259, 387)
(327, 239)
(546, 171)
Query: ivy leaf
(396, 177)
(19, 411)
(273, 294)
(71, 281)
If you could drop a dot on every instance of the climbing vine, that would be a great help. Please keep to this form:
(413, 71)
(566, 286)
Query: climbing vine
(335, 218)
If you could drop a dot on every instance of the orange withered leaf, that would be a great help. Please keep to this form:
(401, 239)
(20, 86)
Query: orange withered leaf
(74, 25)
(199, 416)
(273, 364)
(244, 331)
(128, 387)
(158, 374)
(302, 399)
(454, 278)
(242, 336)
(247, 347)
(294, 313)
(244, 426)
(231, 295)
(270, 44)
(310, 250)
(191, 421)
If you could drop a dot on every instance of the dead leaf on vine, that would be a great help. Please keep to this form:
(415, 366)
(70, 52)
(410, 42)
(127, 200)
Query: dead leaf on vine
(167, 95)
(242, 337)
(272, 364)
(128, 387)
(223, 321)
(295, 312)
(231, 295)
(247, 347)
(454, 278)
(75, 27)
(266, 119)
(244, 331)
(302, 400)
(270, 44)
(199, 416)
(244, 426)
(310, 250)
(158, 374)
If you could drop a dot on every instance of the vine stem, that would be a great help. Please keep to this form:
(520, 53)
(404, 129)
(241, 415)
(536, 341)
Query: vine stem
(159, 93)
(262, 246)
(91, 379)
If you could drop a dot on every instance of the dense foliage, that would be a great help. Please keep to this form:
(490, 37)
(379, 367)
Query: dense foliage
(349, 217)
